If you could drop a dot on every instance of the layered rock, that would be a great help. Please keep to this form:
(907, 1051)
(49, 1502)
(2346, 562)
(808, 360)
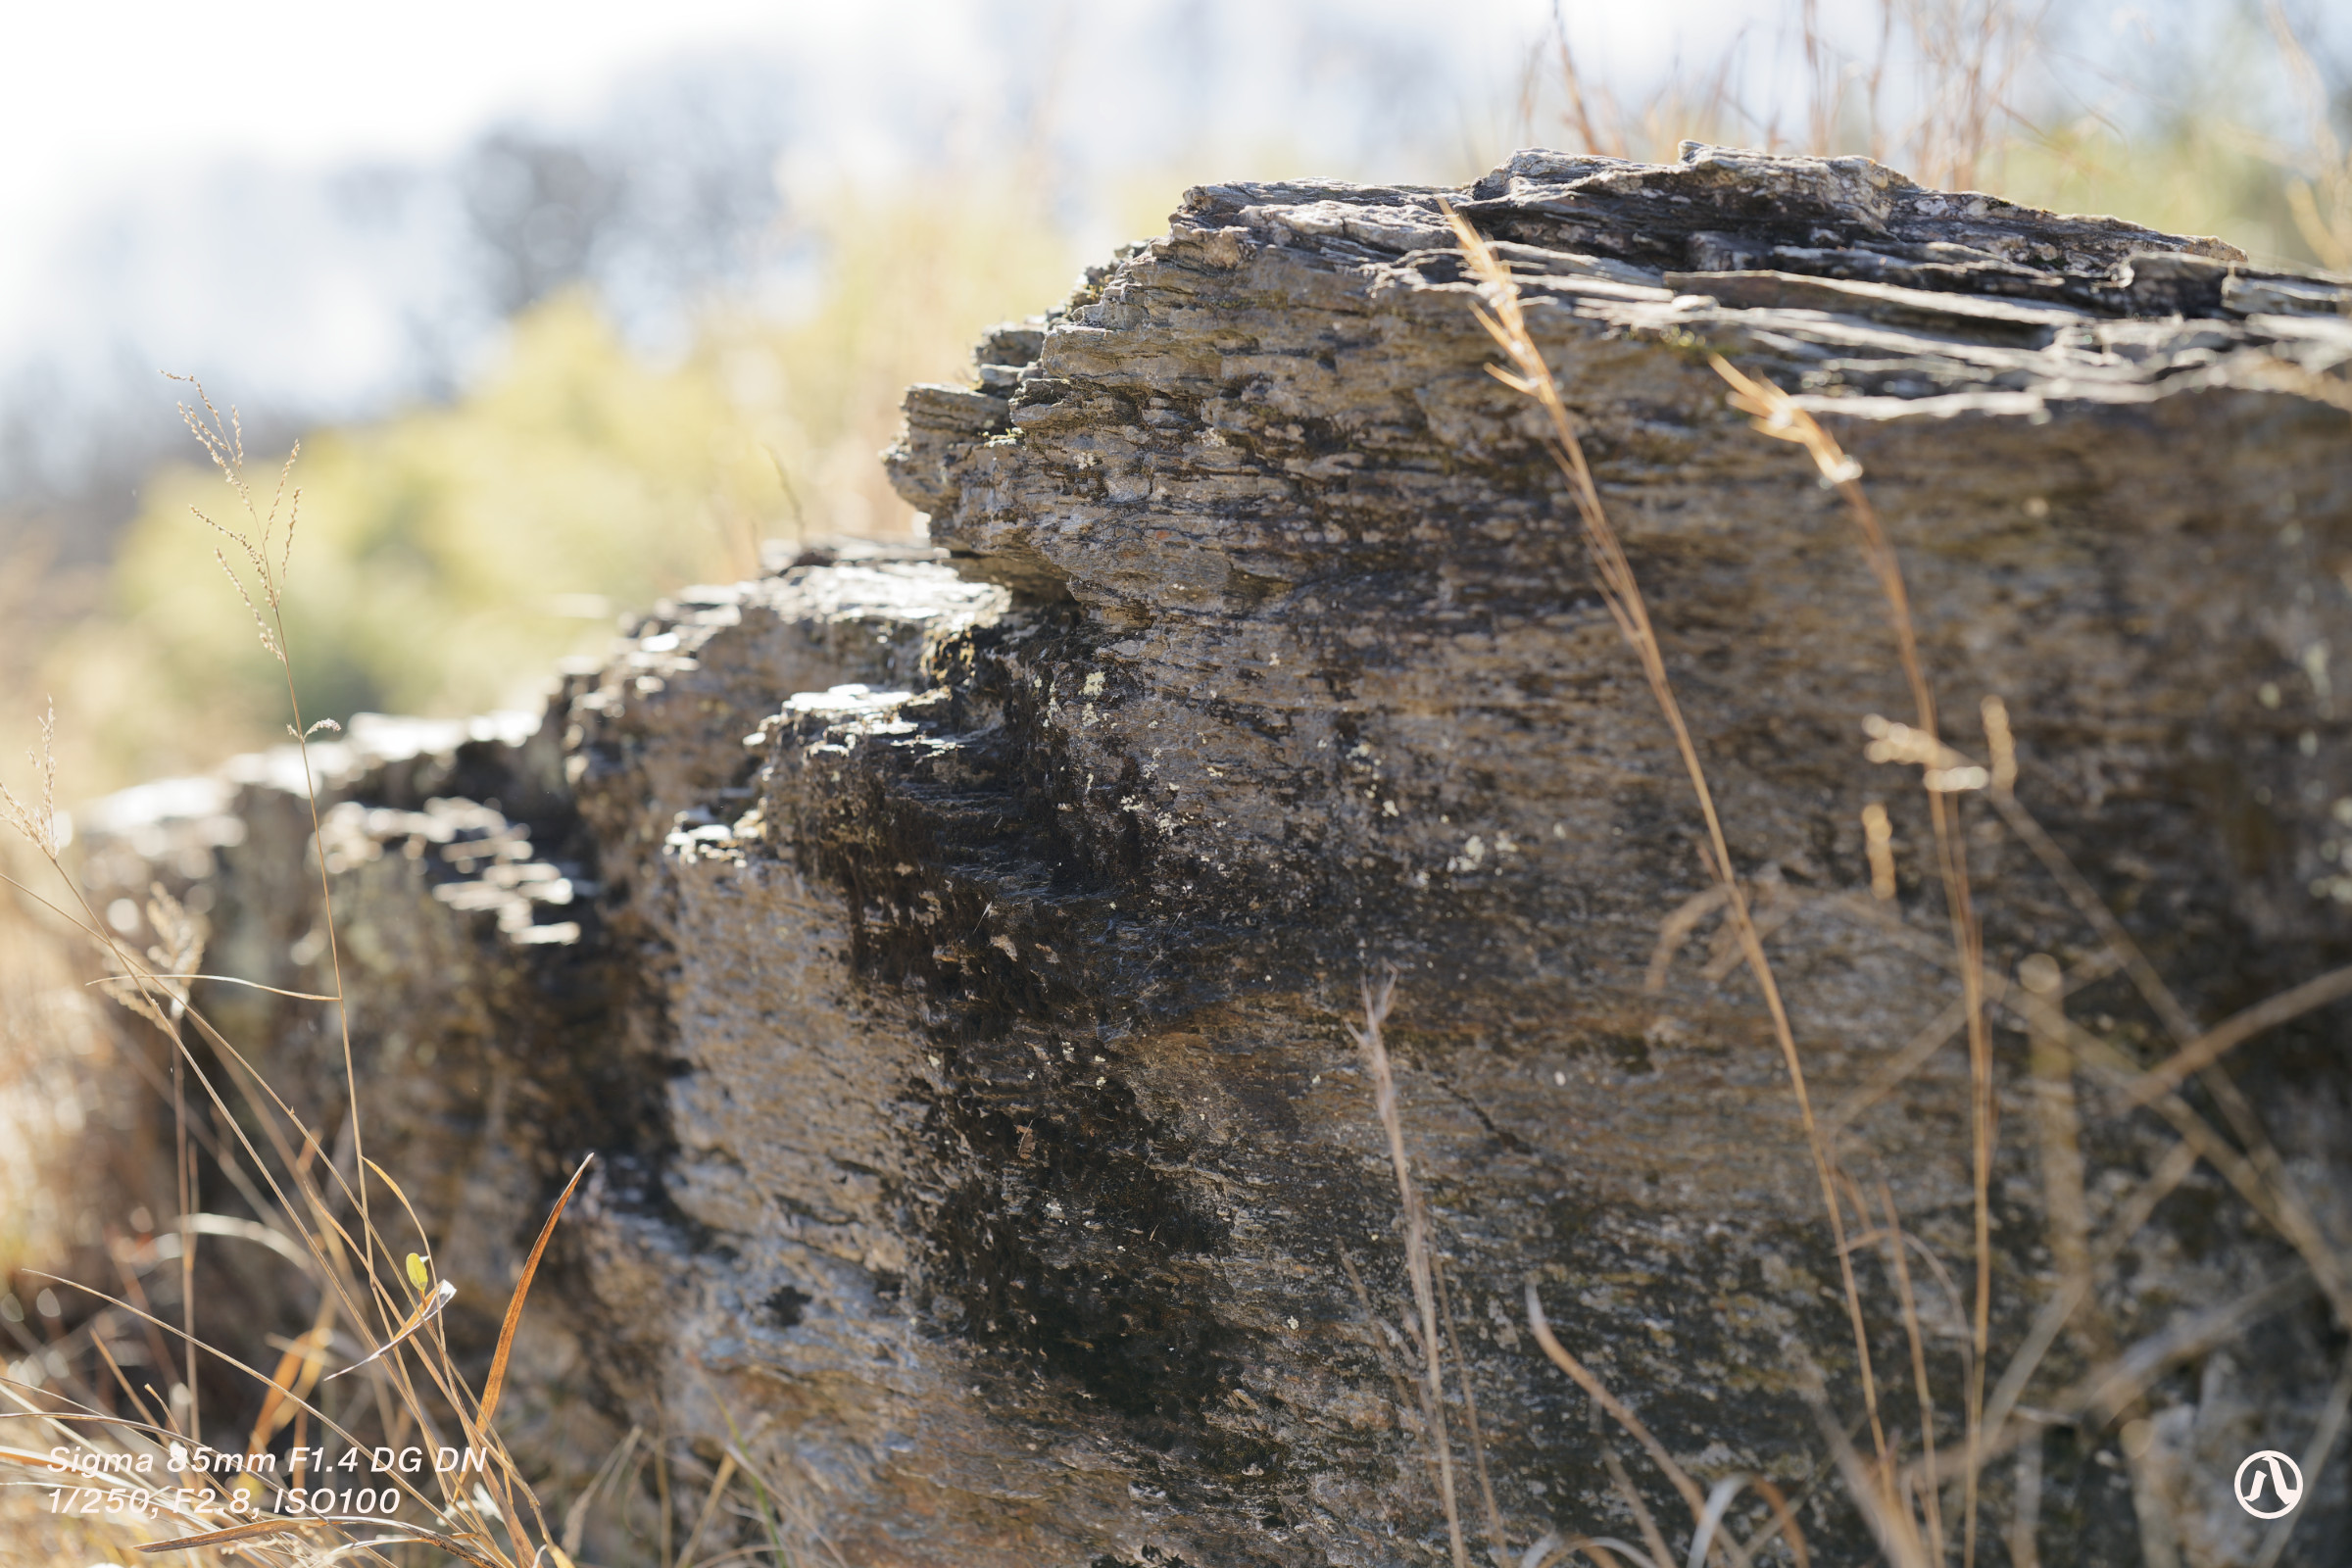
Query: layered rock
(954, 954)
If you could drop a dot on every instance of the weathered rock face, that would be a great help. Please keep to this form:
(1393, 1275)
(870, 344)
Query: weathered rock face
(952, 958)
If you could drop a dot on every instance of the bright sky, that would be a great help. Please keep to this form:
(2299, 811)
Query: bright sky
(91, 93)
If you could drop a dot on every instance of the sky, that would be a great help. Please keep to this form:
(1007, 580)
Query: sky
(101, 93)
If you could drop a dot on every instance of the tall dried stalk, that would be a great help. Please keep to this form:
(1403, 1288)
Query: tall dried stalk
(1431, 1392)
(1775, 414)
(1900, 1262)
(1965, 58)
(2258, 1174)
(223, 442)
(1506, 322)
(1478, 1441)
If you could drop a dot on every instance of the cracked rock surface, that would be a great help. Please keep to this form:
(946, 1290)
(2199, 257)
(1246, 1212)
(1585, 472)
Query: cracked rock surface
(952, 953)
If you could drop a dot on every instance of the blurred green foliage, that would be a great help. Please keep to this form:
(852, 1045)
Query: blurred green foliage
(446, 557)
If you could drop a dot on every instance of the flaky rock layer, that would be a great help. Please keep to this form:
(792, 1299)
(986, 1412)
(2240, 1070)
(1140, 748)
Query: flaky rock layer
(954, 953)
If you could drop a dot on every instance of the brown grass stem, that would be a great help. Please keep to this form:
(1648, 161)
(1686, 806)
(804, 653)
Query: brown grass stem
(1870, 1486)
(1654, 1541)
(1478, 1441)
(1541, 1326)
(1505, 322)
(702, 1520)
(1781, 1524)
(2208, 1048)
(1901, 1263)
(1773, 412)
(226, 449)
(1369, 1039)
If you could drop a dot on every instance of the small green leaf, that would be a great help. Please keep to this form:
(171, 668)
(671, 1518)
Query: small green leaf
(418, 1275)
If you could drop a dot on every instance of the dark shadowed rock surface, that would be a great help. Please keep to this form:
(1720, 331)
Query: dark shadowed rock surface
(951, 952)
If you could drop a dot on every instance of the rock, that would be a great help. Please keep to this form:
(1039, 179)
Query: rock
(961, 955)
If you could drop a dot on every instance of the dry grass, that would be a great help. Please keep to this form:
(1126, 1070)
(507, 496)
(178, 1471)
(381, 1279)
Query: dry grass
(1987, 95)
(318, 1200)
(1431, 1389)
(1932, 90)
(2320, 192)
(1902, 1492)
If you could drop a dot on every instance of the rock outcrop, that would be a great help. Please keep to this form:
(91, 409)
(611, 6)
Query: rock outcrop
(952, 951)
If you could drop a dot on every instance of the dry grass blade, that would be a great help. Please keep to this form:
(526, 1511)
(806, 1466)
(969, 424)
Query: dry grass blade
(297, 1374)
(1719, 1504)
(496, 1382)
(2277, 1203)
(1896, 1069)
(702, 1521)
(2170, 1172)
(1416, 1251)
(1773, 412)
(2108, 1390)
(1621, 592)
(1652, 1538)
(1601, 1549)
(218, 1538)
(1890, 1523)
(426, 1310)
(407, 1532)
(1784, 1524)
(1675, 930)
(1710, 1519)
(1919, 1366)
(1600, 1395)
(2232, 1032)
(1478, 1443)
(223, 980)
(576, 1518)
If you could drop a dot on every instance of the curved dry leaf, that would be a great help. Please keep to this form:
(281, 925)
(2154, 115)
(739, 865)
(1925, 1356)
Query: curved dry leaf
(426, 1310)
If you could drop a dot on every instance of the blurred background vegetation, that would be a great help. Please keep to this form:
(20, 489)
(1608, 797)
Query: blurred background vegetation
(447, 555)
(687, 343)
